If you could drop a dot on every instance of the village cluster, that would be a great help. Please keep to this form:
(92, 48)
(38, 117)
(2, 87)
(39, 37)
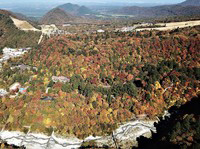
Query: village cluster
(16, 88)
(11, 53)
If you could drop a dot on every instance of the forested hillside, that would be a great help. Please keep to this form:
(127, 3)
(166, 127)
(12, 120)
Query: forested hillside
(57, 16)
(112, 77)
(12, 37)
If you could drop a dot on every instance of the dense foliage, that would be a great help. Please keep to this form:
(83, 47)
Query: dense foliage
(113, 77)
(180, 130)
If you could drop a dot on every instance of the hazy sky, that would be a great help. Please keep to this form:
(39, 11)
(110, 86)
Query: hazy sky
(98, 1)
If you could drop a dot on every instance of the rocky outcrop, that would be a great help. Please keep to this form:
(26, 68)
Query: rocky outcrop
(124, 137)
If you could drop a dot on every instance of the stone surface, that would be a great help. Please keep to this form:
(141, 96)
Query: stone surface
(125, 137)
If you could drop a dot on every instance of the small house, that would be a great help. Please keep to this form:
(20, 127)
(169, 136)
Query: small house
(3, 92)
(15, 87)
(60, 79)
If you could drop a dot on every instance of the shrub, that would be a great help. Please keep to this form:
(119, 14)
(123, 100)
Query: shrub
(51, 83)
(67, 87)
(130, 89)
(1, 51)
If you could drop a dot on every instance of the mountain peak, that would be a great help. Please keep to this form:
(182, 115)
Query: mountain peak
(56, 16)
(75, 9)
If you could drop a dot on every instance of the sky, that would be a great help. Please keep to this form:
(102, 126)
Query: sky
(97, 1)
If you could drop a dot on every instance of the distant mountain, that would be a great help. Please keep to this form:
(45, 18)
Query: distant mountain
(191, 3)
(75, 9)
(161, 11)
(57, 16)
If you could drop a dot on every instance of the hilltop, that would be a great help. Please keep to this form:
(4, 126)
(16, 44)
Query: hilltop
(8, 13)
(75, 9)
(57, 16)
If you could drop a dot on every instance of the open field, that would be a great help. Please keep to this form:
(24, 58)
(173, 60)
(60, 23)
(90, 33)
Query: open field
(172, 25)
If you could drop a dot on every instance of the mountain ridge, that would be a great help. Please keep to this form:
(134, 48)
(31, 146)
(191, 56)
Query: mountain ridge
(12, 14)
(185, 8)
(75, 9)
(190, 3)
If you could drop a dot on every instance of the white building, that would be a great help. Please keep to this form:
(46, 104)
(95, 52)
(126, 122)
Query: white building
(60, 79)
(3, 92)
(100, 31)
(14, 87)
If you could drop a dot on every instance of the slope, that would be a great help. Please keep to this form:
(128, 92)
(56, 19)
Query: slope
(186, 8)
(180, 130)
(57, 16)
(20, 17)
(76, 10)
(11, 36)
(190, 3)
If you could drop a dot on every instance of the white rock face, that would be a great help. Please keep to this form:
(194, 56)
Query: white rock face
(39, 141)
(125, 137)
(51, 30)
(23, 25)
